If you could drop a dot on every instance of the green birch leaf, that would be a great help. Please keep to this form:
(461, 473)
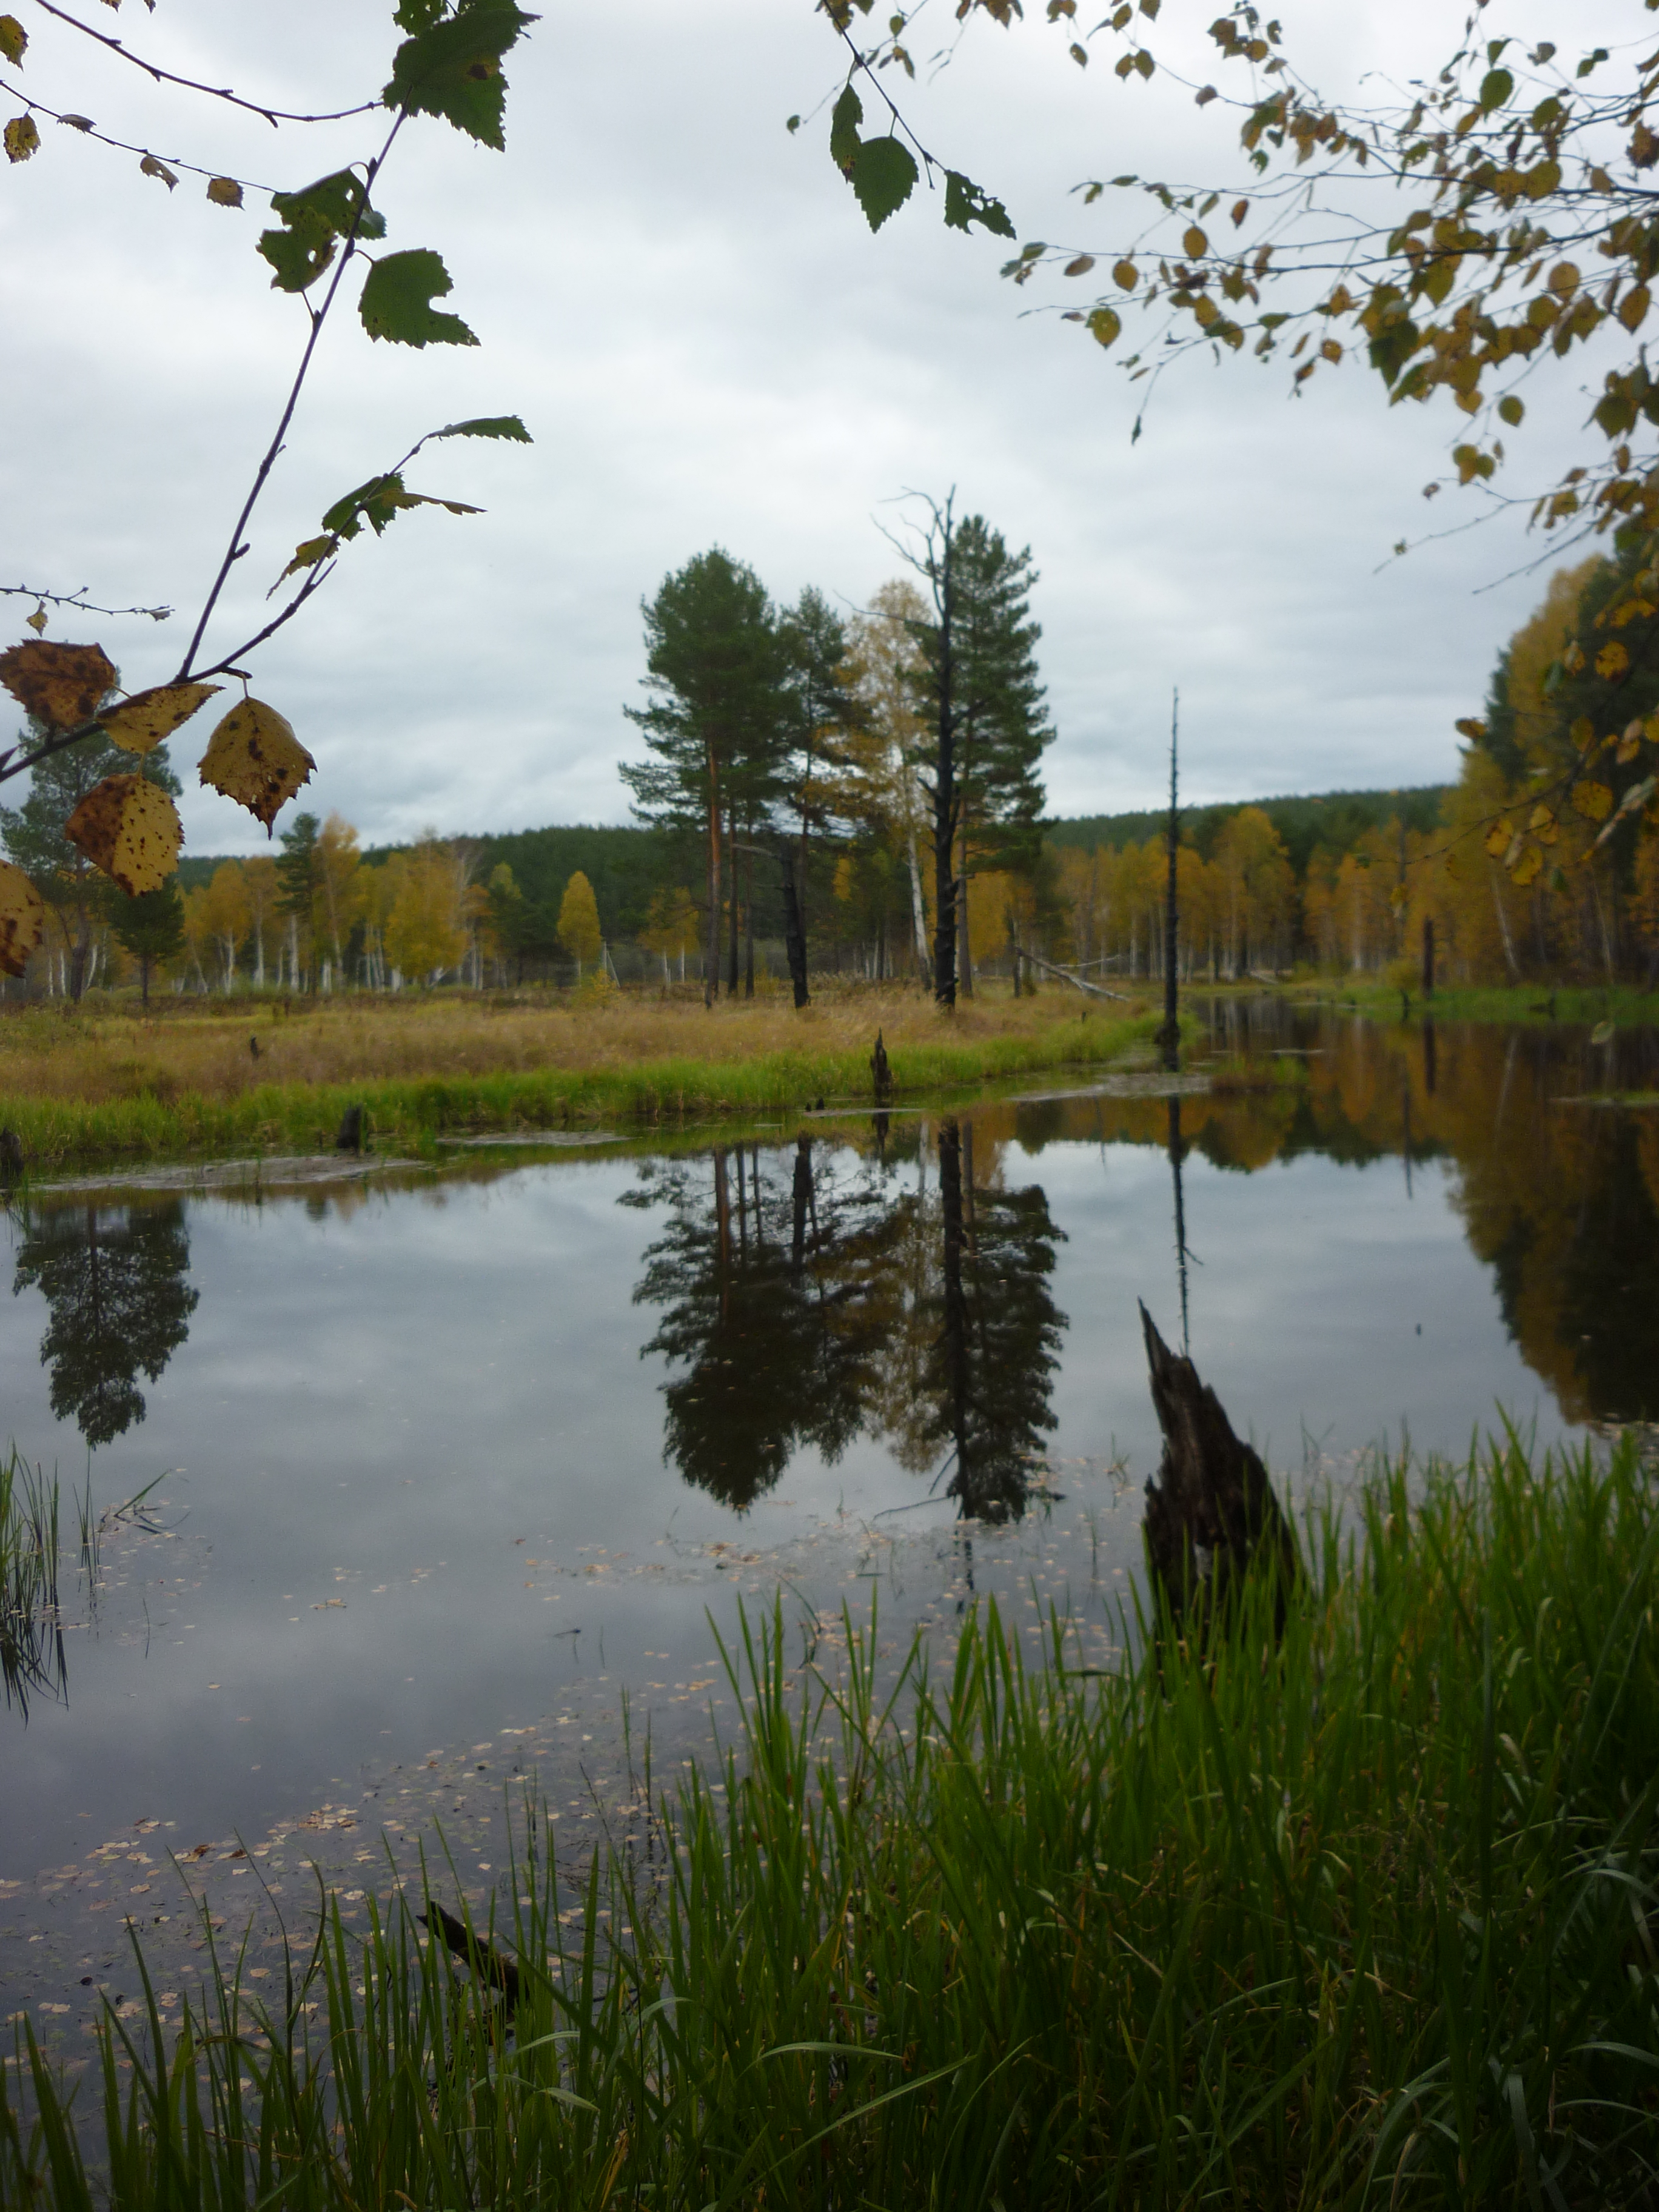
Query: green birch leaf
(965, 203)
(883, 177)
(397, 302)
(488, 426)
(13, 40)
(376, 502)
(313, 220)
(844, 120)
(453, 67)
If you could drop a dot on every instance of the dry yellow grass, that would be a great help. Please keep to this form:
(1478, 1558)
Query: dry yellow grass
(95, 1056)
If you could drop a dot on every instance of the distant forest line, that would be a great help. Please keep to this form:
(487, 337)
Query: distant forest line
(630, 866)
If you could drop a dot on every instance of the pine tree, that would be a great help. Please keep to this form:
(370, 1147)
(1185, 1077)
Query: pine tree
(151, 927)
(715, 669)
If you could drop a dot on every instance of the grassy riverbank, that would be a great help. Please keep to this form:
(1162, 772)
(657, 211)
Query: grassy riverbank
(101, 1085)
(1369, 1921)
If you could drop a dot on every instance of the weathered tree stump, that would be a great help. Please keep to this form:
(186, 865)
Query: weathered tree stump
(352, 1135)
(496, 1970)
(1211, 1516)
(882, 1072)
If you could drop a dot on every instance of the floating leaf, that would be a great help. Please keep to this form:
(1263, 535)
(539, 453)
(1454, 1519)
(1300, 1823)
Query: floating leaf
(397, 302)
(22, 918)
(20, 138)
(61, 684)
(139, 724)
(224, 191)
(488, 426)
(1612, 660)
(130, 830)
(13, 40)
(883, 177)
(149, 166)
(966, 204)
(1593, 801)
(453, 67)
(254, 758)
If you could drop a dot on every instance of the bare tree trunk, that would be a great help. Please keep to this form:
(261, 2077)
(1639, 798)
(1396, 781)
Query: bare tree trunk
(712, 967)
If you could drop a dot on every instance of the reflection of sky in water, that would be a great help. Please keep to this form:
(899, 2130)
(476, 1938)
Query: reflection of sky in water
(435, 1408)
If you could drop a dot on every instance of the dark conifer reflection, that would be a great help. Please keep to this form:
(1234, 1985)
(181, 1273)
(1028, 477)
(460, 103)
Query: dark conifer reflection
(114, 1281)
(807, 1299)
(990, 1368)
(771, 1292)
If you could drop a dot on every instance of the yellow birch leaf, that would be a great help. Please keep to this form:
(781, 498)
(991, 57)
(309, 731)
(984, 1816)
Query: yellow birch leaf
(1629, 611)
(1633, 307)
(13, 38)
(60, 684)
(37, 621)
(139, 724)
(21, 137)
(22, 918)
(1104, 325)
(254, 758)
(1126, 274)
(1611, 660)
(150, 167)
(1528, 866)
(1498, 839)
(1194, 243)
(1593, 801)
(129, 829)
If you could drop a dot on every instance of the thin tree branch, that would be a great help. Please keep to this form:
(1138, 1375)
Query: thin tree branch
(88, 129)
(77, 602)
(153, 69)
(318, 316)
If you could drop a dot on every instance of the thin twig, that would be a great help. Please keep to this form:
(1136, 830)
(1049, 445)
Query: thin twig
(272, 115)
(77, 602)
(318, 316)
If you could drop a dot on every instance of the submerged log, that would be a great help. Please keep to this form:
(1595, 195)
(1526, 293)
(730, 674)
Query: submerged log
(1212, 1515)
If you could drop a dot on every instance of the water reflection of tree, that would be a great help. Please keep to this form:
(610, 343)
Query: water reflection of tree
(989, 1372)
(809, 1298)
(118, 1301)
(774, 1297)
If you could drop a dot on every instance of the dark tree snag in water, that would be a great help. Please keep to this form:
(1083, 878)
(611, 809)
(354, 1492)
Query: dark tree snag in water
(882, 1072)
(1212, 1515)
(11, 1157)
(353, 1133)
(491, 1967)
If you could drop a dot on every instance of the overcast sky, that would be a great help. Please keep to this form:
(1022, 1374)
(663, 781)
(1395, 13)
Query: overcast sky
(687, 307)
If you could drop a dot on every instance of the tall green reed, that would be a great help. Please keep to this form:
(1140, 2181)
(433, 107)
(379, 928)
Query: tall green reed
(1364, 1915)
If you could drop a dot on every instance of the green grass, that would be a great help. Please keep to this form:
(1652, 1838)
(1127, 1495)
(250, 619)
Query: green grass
(644, 1094)
(31, 1649)
(1368, 1919)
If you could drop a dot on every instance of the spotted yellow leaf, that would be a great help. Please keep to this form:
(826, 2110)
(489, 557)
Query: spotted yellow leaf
(1498, 839)
(1527, 867)
(139, 724)
(1593, 801)
(1611, 660)
(20, 138)
(254, 758)
(224, 191)
(129, 829)
(13, 40)
(61, 684)
(22, 918)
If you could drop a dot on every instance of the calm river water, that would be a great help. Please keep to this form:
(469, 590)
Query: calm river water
(440, 1463)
